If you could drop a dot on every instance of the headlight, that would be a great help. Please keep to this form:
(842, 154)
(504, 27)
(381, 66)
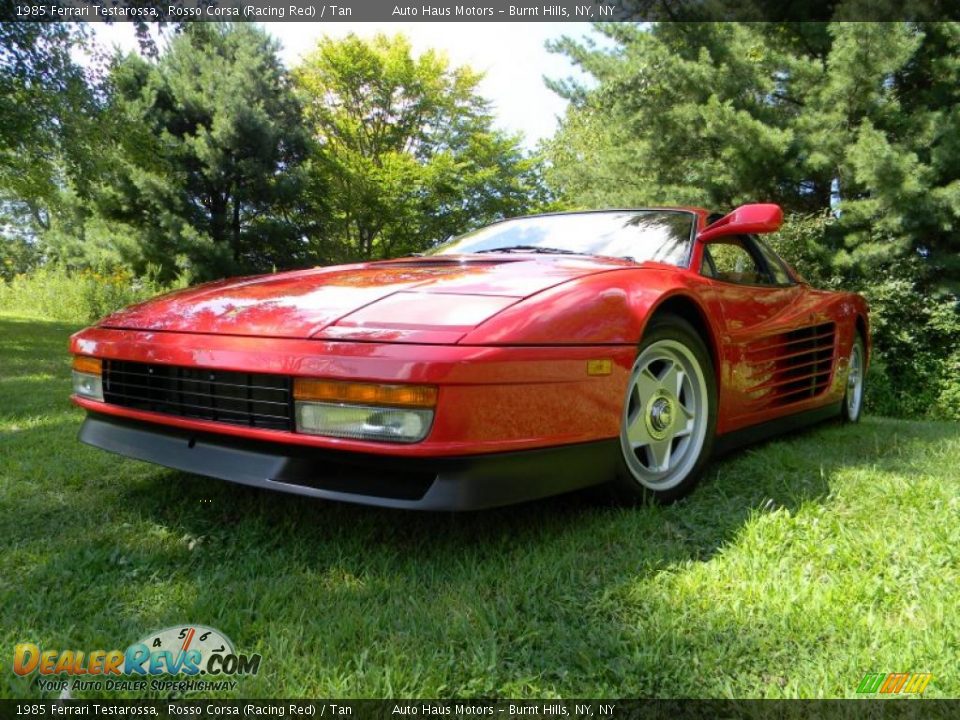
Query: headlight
(363, 423)
(364, 411)
(87, 381)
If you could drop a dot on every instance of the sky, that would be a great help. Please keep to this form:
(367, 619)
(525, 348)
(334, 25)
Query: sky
(512, 56)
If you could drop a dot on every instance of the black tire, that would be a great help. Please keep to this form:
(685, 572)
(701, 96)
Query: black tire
(635, 483)
(852, 407)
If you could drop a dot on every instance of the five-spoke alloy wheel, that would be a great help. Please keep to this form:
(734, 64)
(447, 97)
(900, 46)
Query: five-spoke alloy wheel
(669, 413)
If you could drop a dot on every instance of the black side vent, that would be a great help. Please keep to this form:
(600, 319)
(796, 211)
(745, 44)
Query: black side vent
(793, 366)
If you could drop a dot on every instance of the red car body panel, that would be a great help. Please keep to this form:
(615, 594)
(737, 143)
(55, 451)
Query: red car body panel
(505, 338)
(390, 301)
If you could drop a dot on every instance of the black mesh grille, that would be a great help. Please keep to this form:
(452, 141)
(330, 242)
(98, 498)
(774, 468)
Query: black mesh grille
(250, 399)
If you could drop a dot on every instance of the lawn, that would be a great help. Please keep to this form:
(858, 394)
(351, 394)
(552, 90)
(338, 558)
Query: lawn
(795, 568)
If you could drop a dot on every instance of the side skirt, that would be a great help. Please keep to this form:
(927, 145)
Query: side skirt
(790, 423)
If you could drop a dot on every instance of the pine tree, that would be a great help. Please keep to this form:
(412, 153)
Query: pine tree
(209, 146)
(858, 118)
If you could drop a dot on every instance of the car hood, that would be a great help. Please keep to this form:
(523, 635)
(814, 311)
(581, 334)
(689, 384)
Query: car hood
(413, 300)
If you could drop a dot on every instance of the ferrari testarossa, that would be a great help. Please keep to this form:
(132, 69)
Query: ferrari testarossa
(531, 357)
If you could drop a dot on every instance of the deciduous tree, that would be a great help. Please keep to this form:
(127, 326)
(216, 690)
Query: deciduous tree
(404, 149)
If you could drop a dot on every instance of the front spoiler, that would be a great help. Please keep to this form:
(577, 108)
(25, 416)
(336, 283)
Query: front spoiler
(459, 483)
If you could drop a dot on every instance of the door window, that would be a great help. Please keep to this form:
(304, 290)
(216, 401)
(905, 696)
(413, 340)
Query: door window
(730, 261)
(777, 269)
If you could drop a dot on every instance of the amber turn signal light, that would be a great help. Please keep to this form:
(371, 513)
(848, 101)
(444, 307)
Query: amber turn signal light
(599, 367)
(88, 365)
(419, 396)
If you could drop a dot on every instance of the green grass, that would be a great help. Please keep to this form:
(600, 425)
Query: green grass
(796, 567)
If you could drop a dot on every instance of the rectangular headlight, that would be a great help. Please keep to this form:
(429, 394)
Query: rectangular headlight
(363, 422)
(364, 410)
(87, 382)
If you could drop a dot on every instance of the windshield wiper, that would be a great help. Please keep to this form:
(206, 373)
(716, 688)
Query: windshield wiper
(530, 248)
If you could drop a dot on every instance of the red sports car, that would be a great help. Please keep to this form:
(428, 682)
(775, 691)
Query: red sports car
(530, 357)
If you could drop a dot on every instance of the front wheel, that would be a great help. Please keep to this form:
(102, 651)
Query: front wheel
(669, 414)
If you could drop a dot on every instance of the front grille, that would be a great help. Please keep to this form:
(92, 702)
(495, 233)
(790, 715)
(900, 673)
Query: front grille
(256, 400)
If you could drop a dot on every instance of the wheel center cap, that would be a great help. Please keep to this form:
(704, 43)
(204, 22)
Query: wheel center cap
(659, 415)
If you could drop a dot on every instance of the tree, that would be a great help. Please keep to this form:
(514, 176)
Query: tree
(53, 143)
(858, 117)
(46, 111)
(206, 164)
(404, 150)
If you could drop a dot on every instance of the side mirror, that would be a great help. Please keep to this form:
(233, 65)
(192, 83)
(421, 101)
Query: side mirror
(745, 220)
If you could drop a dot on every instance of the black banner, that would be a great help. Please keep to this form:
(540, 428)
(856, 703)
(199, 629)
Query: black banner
(887, 709)
(477, 10)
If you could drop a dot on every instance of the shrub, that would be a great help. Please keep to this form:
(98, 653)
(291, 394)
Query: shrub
(916, 364)
(79, 296)
(915, 367)
(948, 401)
(17, 255)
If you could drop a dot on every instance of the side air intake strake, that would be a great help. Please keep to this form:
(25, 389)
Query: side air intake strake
(791, 367)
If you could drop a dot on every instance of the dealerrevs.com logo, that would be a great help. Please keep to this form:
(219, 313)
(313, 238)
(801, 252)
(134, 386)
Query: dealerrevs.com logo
(185, 650)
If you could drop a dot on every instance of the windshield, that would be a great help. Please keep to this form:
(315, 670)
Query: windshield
(660, 235)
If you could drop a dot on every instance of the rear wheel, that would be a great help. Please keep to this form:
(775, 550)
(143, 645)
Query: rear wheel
(853, 397)
(669, 414)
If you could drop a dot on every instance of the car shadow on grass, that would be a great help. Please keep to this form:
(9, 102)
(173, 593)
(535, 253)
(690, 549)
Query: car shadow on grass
(775, 474)
(358, 588)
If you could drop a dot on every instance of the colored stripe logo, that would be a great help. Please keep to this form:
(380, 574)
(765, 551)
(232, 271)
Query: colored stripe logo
(894, 683)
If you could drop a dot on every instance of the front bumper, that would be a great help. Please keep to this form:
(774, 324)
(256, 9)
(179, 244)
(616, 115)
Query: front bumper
(491, 399)
(440, 483)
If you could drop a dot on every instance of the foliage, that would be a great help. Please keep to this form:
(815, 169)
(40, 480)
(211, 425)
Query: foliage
(861, 117)
(18, 253)
(914, 369)
(44, 100)
(948, 401)
(803, 241)
(851, 127)
(203, 158)
(205, 166)
(404, 150)
(19, 256)
(54, 292)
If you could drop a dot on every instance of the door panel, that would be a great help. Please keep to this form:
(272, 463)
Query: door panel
(779, 350)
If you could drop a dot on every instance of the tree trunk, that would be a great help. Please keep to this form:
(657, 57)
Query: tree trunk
(218, 218)
(236, 228)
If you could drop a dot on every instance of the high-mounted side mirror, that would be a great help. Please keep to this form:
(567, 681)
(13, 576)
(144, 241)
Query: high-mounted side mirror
(745, 220)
